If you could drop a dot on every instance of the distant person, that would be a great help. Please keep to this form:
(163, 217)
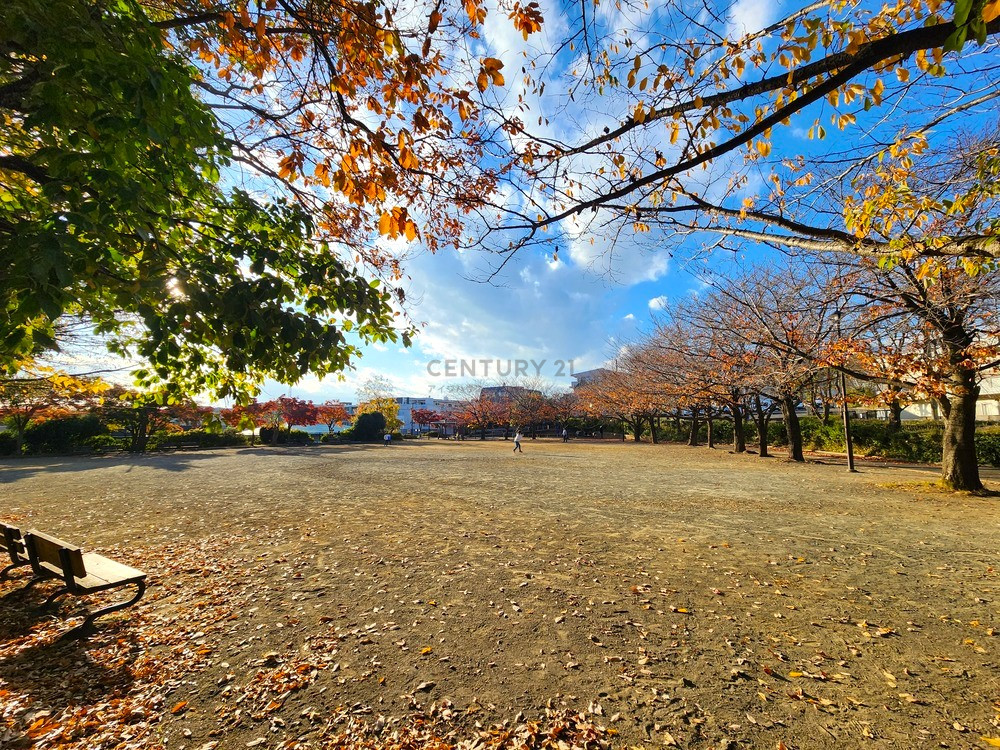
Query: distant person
(517, 442)
(601, 432)
(565, 435)
(387, 439)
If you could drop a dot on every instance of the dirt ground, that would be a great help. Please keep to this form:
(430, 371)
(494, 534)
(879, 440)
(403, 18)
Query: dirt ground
(593, 594)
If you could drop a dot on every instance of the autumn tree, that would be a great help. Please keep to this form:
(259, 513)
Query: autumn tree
(387, 407)
(138, 413)
(476, 410)
(296, 411)
(115, 197)
(628, 392)
(947, 333)
(189, 415)
(424, 417)
(332, 413)
(36, 392)
(249, 416)
(689, 98)
(564, 407)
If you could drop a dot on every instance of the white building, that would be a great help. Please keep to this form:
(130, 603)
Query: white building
(408, 404)
(987, 407)
(588, 376)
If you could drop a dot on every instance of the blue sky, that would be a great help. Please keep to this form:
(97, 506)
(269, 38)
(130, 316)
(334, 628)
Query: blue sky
(537, 310)
(597, 296)
(581, 307)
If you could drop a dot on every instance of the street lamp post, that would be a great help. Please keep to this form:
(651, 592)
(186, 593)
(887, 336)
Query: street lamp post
(846, 413)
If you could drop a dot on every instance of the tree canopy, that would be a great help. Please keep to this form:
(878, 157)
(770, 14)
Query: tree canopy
(138, 135)
(679, 120)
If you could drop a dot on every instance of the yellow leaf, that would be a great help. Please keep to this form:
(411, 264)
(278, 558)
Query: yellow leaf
(425, 650)
(991, 741)
(794, 674)
(411, 231)
(385, 223)
(991, 11)
(179, 707)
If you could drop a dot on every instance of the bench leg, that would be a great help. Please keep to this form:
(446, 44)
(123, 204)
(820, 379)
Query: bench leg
(33, 581)
(5, 573)
(140, 587)
(53, 596)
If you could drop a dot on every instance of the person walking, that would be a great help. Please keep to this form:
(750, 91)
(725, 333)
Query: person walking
(387, 439)
(517, 441)
(565, 435)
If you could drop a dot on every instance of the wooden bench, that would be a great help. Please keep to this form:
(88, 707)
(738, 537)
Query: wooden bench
(81, 572)
(12, 545)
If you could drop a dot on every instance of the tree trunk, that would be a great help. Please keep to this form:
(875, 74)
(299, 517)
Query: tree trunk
(693, 435)
(677, 421)
(637, 430)
(20, 427)
(141, 434)
(959, 464)
(711, 436)
(482, 433)
(652, 429)
(792, 428)
(739, 433)
(826, 411)
(895, 415)
(762, 420)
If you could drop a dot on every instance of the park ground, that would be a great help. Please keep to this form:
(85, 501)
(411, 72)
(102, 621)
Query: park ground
(576, 596)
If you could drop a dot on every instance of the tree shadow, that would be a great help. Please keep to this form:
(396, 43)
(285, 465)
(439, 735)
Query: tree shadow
(11, 470)
(53, 671)
(20, 607)
(60, 672)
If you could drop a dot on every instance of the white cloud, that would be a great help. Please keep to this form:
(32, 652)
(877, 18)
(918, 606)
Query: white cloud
(658, 303)
(749, 16)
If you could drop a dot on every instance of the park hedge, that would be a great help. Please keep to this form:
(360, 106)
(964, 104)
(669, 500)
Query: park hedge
(918, 441)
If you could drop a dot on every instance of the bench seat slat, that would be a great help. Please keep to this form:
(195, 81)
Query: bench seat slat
(102, 572)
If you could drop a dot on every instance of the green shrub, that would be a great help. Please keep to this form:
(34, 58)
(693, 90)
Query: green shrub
(818, 435)
(368, 427)
(295, 437)
(722, 431)
(988, 446)
(8, 444)
(106, 443)
(63, 435)
(204, 439)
